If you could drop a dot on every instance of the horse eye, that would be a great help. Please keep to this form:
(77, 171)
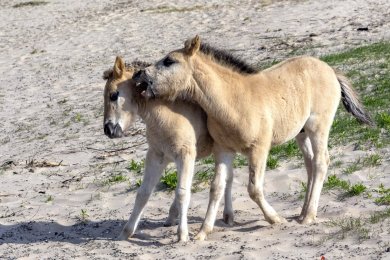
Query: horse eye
(168, 62)
(114, 96)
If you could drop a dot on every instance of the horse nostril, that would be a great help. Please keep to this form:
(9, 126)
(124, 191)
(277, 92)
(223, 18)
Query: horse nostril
(109, 129)
(118, 131)
(137, 75)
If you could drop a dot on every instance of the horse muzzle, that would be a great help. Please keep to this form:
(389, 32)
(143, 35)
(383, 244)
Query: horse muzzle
(145, 84)
(113, 131)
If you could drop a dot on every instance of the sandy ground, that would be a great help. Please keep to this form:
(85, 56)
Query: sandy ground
(51, 61)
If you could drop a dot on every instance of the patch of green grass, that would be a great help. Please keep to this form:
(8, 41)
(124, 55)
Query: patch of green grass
(114, 179)
(240, 161)
(337, 163)
(202, 178)
(358, 54)
(356, 226)
(384, 198)
(369, 70)
(383, 120)
(30, 3)
(372, 160)
(359, 227)
(169, 179)
(208, 160)
(303, 190)
(83, 215)
(352, 168)
(356, 189)
(379, 216)
(78, 117)
(287, 150)
(117, 178)
(335, 182)
(138, 183)
(272, 162)
(49, 198)
(277, 153)
(136, 166)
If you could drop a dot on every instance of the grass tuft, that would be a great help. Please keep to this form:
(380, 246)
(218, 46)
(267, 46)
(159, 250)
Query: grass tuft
(350, 225)
(356, 189)
(135, 166)
(83, 215)
(335, 182)
(240, 161)
(169, 179)
(384, 195)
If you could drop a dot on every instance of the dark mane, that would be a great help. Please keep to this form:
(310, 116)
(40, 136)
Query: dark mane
(225, 58)
(135, 65)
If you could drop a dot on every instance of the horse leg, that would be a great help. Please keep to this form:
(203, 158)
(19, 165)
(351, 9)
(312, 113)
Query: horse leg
(154, 166)
(228, 214)
(185, 166)
(304, 145)
(173, 214)
(257, 164)
(223, 164)
(320, 162)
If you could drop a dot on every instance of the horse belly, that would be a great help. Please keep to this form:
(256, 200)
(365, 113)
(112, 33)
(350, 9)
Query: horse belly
(290, 122)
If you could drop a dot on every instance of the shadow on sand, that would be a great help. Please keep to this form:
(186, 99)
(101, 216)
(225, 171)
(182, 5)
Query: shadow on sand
(105, 230)
(80, 232)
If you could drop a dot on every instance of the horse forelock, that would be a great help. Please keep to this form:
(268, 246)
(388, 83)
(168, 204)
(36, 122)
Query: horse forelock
(227, 59)
(134, 65)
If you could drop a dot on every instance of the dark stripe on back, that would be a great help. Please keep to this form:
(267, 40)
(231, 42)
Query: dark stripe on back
(225, 58)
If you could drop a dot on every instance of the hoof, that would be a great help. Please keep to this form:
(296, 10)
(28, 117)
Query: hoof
(126, 233)
(170, 223)
(123, 236)
(183, 238)
(276, 220)
(201, 236)
(228, 218)
(306, 220)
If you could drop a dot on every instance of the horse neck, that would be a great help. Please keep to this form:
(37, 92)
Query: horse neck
(216, 88)
(142, 106)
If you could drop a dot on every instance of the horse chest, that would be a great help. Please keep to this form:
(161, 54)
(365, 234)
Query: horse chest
(229, 136)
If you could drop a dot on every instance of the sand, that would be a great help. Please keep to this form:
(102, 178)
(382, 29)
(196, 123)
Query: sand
(55, 160)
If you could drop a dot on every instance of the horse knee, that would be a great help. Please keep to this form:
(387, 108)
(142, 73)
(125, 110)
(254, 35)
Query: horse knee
(254, 193)
(216, 190)
(181, 195)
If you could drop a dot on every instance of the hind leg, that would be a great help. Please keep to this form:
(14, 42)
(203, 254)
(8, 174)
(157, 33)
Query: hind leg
(228, 214)
(173, 214)
(305, 146)
(185, 166)
(223, 162)
(257, 164)
(320, 162)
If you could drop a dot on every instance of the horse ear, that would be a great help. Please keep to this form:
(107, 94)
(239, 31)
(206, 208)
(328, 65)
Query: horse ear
(119, 67)
(191, 46)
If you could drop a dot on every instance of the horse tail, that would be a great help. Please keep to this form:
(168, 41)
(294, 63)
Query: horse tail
(351, 100)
